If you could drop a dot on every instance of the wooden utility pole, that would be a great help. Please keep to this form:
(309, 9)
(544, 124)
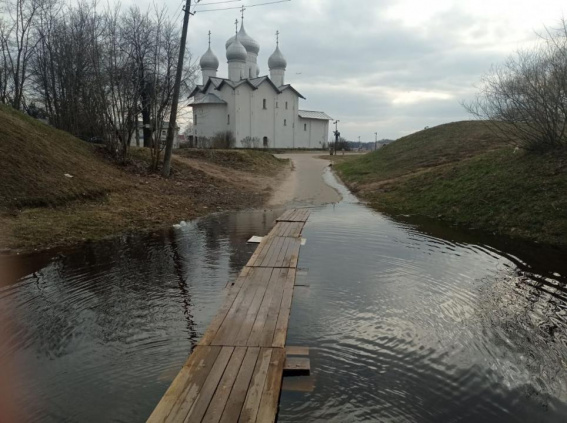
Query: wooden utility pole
(173, 117)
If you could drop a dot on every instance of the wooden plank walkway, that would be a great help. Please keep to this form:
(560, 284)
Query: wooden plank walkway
(235, 372)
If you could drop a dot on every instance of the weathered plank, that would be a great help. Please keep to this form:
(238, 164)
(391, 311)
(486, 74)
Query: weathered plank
(271, 395)
(235, 373)
(295, 350)
(256, 388)
(202, 402)
(220, 398)
(297, 365)
(198, 376)
(285, 308)
(231, 412)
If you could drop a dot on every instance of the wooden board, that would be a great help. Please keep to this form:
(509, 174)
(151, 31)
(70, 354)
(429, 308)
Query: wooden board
(235, 372)
(297, 365)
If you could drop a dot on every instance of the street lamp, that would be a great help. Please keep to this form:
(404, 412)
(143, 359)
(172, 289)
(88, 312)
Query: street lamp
(337, 135)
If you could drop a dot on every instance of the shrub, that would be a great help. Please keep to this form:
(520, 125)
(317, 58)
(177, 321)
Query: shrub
(223, 140)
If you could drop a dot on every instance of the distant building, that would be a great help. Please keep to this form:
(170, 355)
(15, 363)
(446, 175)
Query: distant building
(261, 111)
(162, 135)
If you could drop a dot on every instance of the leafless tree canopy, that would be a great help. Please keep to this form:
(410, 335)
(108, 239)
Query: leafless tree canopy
(525, 99)
(91, 71)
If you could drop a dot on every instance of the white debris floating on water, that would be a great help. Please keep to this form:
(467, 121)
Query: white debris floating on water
(180, 225)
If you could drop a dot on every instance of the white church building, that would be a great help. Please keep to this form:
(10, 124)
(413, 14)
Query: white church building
(261, 111)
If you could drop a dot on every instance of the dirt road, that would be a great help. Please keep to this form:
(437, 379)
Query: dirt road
(304, 186)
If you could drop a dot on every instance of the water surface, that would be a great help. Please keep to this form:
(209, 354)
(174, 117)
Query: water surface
(407, 322)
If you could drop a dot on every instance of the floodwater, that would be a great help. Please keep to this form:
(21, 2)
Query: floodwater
(406, 321)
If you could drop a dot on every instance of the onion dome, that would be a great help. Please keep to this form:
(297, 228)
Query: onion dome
(236, 52)
(277, 60)
(209, 60)
(249, 43)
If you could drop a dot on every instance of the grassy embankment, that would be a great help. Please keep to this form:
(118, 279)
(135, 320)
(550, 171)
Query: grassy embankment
(461, 173)
(40, 207)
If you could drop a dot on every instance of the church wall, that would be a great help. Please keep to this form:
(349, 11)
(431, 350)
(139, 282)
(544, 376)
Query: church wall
(210, 118)
(286, 119)
(312, 133)
(262, 120)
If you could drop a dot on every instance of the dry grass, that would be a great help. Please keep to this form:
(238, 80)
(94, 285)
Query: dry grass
(41, 208)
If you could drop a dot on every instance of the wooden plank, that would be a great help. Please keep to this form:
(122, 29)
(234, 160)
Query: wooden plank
(283, 242)
(237, 396)
(280, 332)
(297, 365)
(261, 317)
(272, 388)
(223, 311)
(271, 319)
(181, 381)
(285, 216)
(220, 398)
(250, 317)
(298, 384)
(293, 254)
(274, 251)
(235, 317)
(266, 248)
(295, 350)
(201, 404)
(265, 242)
(281, 256)
(256, 388)
(198, 375)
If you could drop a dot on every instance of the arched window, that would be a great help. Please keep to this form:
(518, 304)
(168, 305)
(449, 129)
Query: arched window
(305, 127)
(286, 105)
(285, 122)
(264, 104)
(228, 120)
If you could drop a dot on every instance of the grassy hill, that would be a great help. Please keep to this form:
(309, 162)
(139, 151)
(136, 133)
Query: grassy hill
(41, 207)
(35, 159)
(461, 173)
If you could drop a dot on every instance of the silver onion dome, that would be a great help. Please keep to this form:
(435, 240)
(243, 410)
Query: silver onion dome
(209, 60)
(277, 60)
(236, 52)
(249, 43)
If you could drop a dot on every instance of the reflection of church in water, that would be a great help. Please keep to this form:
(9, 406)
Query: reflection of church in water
(261, 111)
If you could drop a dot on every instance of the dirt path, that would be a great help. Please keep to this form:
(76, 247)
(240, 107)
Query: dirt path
(305, 184)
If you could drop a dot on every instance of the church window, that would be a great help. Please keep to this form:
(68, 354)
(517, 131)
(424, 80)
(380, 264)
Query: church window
(305, 127)
(228, 120)
(264, 104)
(286, 105)
(285, 122)
(277, 105)
(195, 118)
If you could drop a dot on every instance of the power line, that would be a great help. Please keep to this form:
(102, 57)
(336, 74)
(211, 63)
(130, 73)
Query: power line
(217, 2)
(247, 6)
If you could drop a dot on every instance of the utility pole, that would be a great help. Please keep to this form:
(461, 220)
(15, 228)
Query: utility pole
(337, 135)
(376, 142)
(175, 100)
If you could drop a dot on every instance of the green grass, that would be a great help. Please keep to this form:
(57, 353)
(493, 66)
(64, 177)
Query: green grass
(460, 173)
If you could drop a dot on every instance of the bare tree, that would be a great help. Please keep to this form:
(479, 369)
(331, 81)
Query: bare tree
(525, 99)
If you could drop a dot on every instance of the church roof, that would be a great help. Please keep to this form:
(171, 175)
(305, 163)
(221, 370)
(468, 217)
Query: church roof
(289, 87)
(254, 83)
(209, 98)
(310, 114)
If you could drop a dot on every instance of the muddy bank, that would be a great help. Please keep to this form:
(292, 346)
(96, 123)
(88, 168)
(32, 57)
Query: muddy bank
(141, 202)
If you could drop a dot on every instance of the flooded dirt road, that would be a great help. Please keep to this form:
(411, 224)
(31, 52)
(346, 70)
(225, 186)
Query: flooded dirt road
(406, 321)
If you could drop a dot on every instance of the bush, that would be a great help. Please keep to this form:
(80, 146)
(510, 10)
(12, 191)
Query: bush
(525, 99)
(250, 142)
(223, 140)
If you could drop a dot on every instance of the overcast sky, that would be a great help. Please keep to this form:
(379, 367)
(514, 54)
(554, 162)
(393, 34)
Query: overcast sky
(386, 66)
